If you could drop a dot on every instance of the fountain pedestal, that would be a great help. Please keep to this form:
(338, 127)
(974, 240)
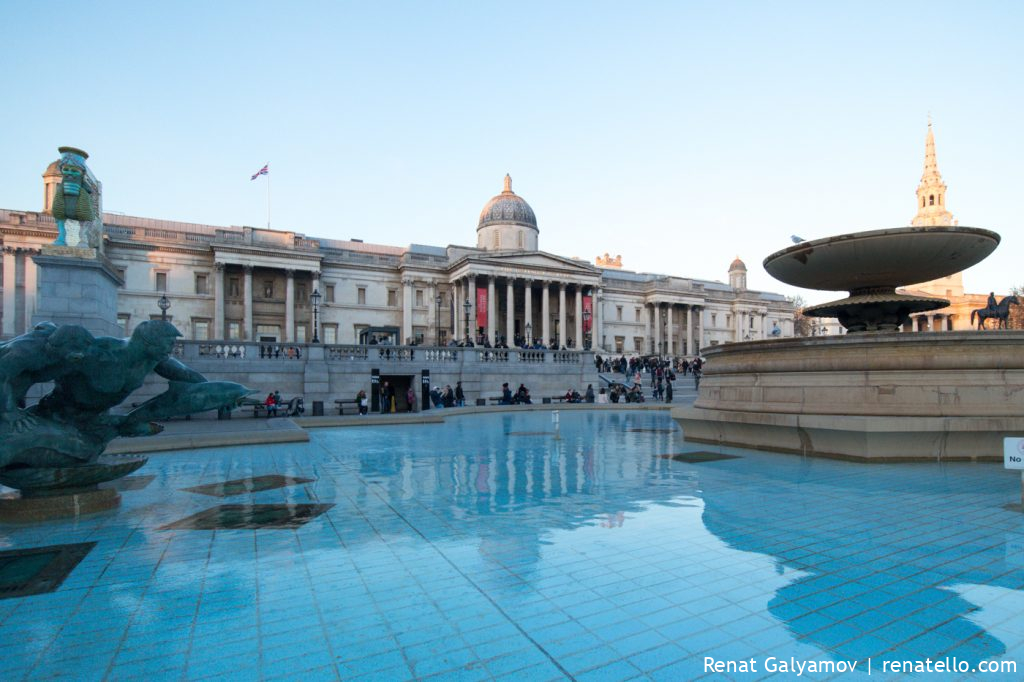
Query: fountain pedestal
(873, 394)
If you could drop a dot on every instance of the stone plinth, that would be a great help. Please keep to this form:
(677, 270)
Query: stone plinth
(77, 286)
(892, 396)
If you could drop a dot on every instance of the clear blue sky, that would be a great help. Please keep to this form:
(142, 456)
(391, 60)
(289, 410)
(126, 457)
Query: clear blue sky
(677, 134)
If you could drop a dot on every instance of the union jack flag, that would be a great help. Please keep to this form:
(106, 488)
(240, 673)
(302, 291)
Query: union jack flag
(262, 171)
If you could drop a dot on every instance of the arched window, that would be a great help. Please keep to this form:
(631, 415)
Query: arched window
(497, 240)
(931, 199)
(522, 241)
(922, 202)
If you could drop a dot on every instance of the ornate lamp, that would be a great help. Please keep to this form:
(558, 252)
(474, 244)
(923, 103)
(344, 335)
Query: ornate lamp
(315, 298)
(586, 329)
(163, 304)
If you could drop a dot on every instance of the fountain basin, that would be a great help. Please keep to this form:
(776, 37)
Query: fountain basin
(877, 397)
(881, 258)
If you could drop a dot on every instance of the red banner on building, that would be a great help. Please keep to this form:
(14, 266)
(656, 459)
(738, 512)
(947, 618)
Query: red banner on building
(588, 313)
(481, 308)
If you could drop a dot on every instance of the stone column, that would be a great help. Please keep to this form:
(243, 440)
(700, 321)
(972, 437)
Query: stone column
(578, 336)
(471, 285)
(648, 330)
(407, 311)
(31, 286)
(457, 313)
(545, 308)
(689, 330)
(10, 287)
(597, 323)
(528, 309)
(510, 311)
(670, 350)
(289, 306)
(657, 329)
(218, 302)
(561, 314)
(700, 330)
(433, 314)
(491, 310)
(247, 305)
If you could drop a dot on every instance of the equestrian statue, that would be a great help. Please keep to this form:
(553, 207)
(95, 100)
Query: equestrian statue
(997, 311)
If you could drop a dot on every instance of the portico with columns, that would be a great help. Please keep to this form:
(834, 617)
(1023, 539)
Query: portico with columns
(528, 297)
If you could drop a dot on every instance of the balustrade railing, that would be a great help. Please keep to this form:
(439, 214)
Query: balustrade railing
(426, 355)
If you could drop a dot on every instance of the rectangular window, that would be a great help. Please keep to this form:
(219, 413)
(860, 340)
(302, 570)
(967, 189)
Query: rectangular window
(234, 331)
(200, 330)
(638, 344)
(637, 314)
(443, 341)
(300, 333)
(361, 295)
(618, 313)
(161, 281)
(329, 293)
(417, 336)
(419, 297)
(201, 284)
(300, 294)
(728, 320)
(714, 319)
(392, 298)
(268, 288)
(620, 344)
(123, 275)
(234, 290)
(330, 334)
(122, 322)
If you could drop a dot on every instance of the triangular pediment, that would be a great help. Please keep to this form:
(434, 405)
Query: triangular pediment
(540, 261)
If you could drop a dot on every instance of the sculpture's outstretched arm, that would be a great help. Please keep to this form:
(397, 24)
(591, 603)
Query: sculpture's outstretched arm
(175, 370)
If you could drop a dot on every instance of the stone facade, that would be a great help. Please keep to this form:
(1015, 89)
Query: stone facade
(252, 285)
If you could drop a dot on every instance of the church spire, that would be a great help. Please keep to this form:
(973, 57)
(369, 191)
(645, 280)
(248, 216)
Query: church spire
(931, 193)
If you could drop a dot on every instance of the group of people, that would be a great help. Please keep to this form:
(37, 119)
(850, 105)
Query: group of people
(273, 403)
(520, 397)
(444, 397)
(277, 351)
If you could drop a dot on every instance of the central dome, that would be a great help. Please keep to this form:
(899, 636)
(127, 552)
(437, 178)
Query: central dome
(507, 209)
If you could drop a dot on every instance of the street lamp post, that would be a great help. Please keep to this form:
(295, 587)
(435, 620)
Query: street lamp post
(437, 320)
(586, 328)
(163, 304)
(315, 297)
(466, 306)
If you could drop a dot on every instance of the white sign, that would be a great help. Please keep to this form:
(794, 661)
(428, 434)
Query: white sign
(1013, 453)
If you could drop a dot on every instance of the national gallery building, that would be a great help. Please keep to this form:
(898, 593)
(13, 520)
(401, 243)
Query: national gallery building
(250, 284)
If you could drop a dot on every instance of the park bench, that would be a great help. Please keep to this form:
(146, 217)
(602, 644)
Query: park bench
(343, 403)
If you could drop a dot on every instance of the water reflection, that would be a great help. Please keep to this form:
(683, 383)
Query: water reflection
(884, 551)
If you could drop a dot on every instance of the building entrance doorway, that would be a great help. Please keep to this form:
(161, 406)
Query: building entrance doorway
(400, 383)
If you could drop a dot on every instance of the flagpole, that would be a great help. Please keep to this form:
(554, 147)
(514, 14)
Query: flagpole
(268, 200)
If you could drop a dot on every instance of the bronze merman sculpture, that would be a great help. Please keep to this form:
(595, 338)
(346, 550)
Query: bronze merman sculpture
(71, 425)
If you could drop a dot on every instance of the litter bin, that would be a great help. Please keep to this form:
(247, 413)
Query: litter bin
(223, 413)
(481, 402)
(545, 401)
(318, 408)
